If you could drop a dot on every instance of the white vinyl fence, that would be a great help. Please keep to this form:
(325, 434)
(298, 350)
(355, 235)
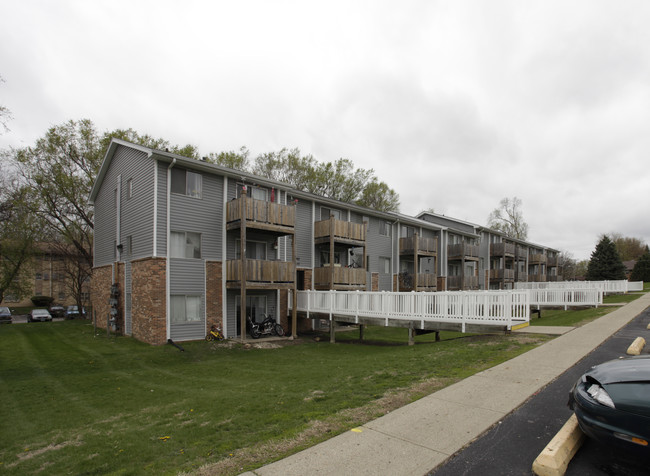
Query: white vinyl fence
(607, 287)
(499, 308)
(566, 297)
(635, 286)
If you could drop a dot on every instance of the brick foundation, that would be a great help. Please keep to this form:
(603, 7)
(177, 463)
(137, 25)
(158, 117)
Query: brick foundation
(214, 294)
(375, 282)
(148, 301)
(100, 293)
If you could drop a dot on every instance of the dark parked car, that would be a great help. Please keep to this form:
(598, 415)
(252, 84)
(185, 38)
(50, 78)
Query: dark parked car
(612, 403)
(57, 311)
(72, 312)
(5, 315)
(39, 315)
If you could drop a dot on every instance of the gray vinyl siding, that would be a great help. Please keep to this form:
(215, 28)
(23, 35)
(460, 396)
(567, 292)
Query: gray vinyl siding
(136, 212)
(304, 225)
(380, 246)
(356, 217)
(161, 231)
(201, 215)
(187, 277)
(449, 223)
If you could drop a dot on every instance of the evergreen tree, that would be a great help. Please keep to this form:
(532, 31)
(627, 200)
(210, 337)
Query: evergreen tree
(605, 263)
(641, 271)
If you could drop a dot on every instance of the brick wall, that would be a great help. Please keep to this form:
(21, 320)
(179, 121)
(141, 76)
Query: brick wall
(100, 292)
(148, 300)
(214, 294)
(375, 282)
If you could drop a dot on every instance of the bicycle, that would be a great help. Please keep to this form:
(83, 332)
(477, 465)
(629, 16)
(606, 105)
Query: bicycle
(214, 334)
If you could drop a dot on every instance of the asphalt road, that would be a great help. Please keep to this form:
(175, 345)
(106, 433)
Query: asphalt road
(511, 446)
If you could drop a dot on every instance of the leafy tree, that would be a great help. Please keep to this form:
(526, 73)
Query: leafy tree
(641, 270)
(628, 248)
(18, 235)
(605, 262)
(379, 196)
(509, 219)
(146, 140)
(581, 269)
(567, 265)
(5, 114)
(231, 159)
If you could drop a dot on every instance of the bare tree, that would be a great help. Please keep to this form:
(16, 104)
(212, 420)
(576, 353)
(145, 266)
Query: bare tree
(509, 219)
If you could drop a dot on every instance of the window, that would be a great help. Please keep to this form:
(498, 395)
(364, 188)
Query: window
(185, 244)
(185, 309)
(255, 307)
(407, 231)
(325, 258)
(384, 228)
(129, 189)
(252, 191)
(39, 276)
(384, 265)
(129, 245)
(326, 212)
(187, 183)
(254, 249)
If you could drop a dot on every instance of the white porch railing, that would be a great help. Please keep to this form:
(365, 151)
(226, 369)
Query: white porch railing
(635, 286)
(608, 287)
(499, 308)
(566, 297)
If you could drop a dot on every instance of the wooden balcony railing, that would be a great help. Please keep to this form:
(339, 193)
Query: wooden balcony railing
(425, 282)
(522, 252)
(460, 250)
(502, 274)
(343, 230)
(261, 212)
(342, 277)
(551, 261)
(426, 246)
(260, 271)
(536, 258)
(502, 249)
(522, 277)
(462, 282)
(536, 278)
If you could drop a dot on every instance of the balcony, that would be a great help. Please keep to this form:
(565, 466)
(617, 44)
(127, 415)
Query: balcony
(341, 231)
(260, 214)
(522, 253)
(261, 274)
(502, 274)
(342, 278)
(552, 261)
(425, 246)
(425, 282)
(522, 277)
(536, 278)
(554, 278)
(461, 251)
(502, 249)
(462, 283)
(536, 258)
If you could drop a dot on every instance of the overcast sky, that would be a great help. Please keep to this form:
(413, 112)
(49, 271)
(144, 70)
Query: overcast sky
(455, 104)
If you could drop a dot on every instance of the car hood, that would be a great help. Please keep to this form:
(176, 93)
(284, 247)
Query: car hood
(632, 369)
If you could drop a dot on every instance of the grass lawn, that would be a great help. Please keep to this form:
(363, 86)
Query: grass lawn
(76, 403)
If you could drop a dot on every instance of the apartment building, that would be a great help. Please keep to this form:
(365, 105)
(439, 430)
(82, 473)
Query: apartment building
(189, 244)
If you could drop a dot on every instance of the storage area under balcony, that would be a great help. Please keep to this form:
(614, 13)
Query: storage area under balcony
(260, 214)
(412, 245)
(339, 278)
(260, 274)
(426, 282)
(462, 251)
(345, 232)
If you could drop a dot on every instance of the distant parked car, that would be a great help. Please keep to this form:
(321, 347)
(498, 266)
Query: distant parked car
(57, 311)
(612, 403)
(72, 312)
(39, 315)
(5, 315)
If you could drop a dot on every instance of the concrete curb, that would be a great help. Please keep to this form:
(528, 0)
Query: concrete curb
(636, 347)
(555, 458)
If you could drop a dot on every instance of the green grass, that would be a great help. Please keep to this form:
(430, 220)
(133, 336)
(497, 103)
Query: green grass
(76, 403)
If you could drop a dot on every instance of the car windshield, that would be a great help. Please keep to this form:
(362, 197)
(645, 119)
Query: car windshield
(72, 308)
(39, 312)
(4, 310)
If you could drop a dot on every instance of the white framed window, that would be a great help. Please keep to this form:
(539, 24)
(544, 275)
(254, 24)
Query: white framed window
(129, 246)
(384, 228)
(325, 257)
(258, 193)
(187, 183)
(185, 244)
(129, 189)
(254, 249)
(185, 308)
(326, 212)
(384, 265)
(407, 231)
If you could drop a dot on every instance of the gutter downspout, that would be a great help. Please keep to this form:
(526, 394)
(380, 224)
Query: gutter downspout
(167, 274)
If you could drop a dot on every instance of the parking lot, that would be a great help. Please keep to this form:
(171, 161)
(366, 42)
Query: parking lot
(510, 447)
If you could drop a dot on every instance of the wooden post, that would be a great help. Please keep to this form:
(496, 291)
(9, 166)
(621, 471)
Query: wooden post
(411, 335)
(242, 264)
(462, 266)
(332, 326)
(361, 329)
(416, 243)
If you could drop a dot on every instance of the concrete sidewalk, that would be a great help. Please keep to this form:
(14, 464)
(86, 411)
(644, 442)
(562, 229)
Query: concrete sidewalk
(420, 436)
